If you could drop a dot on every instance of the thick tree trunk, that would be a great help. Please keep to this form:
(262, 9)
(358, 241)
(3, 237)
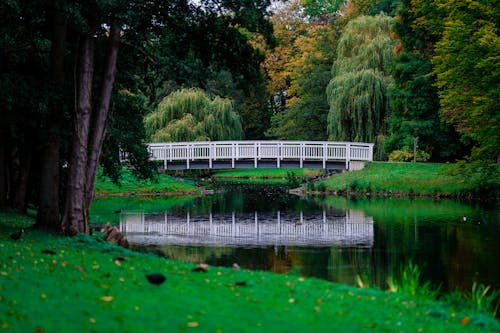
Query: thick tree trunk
(3, 168)
(48, 205)
(75, 220)
(101, 116)
(20, 166)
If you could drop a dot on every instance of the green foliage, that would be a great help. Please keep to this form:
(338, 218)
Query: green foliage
(467, 66)
(126, 133)
(299, 70)
(461, 39)
(318, 8)
(409, 282)
(482, 178)
(406, 155)
(483, 300)
(415, 109)
(292, 180)
(190, 115)
(357, 93)
(403, 179)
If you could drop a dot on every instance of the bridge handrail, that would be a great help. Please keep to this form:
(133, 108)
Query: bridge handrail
(281, 150)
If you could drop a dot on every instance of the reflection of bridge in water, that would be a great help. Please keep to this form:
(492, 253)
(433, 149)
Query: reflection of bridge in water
(352, 228)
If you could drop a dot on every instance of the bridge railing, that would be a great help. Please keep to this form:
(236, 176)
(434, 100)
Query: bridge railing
(256, 150)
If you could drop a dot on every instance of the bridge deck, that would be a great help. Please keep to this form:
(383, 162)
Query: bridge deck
(259, 154)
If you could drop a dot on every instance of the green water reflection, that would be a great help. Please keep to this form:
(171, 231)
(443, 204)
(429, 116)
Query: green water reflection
(454, 243)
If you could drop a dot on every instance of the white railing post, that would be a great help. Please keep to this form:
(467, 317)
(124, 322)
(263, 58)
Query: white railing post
(370, 156)
(325, 151)
(301, 154)
(210, 154)
(232, 155)
(278, 158)
(347, 155)
(256, 151)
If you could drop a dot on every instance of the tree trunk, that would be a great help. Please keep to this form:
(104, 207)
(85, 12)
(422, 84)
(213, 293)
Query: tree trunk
(3, 168)
(20, 167)
(101, 116)
(75, 220)
(48, 205)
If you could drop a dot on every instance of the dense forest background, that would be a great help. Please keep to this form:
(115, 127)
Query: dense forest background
(82, 80)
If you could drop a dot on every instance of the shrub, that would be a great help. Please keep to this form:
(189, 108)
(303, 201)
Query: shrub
(292, 180)
(406, 155)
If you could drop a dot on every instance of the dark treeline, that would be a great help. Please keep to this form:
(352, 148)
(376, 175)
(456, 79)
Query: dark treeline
(74, 71)
(78, 78)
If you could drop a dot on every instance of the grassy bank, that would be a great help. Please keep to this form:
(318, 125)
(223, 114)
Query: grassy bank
(107, 209)
(383, 178)
(285, 176)
(50, 283)
(131, 185)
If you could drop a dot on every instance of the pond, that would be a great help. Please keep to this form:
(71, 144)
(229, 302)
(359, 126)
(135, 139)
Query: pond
(332, 238)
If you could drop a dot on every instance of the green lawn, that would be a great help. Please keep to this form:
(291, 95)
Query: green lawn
(50, 283)
(265, 173)
(131, 185)
(398, 178)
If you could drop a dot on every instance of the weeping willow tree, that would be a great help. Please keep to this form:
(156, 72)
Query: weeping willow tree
(190, 115)
(357, 92)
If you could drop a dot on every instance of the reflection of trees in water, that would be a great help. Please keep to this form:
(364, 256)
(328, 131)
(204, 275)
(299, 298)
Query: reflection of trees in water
(429, 232)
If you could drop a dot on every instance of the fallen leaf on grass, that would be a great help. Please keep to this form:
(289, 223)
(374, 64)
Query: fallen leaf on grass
(465, 321)
(107, 298)
(193, 324)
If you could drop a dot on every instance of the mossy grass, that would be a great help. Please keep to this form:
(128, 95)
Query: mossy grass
(393, 179)
(129, 184)
(52, 283)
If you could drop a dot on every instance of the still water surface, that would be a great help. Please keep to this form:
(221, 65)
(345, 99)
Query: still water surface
(336, 239)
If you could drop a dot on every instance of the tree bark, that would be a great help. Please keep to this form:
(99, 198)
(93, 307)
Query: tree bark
(20, 166)
(3, 168)
(75, 220)
(101, 116)
(48, 205)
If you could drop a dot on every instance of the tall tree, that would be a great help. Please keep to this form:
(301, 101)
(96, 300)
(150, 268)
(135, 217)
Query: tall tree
(414, 98)
(48, 203)
(357, 93)
(467, 65)
(190, 115)
(58, 64)
(304, 117)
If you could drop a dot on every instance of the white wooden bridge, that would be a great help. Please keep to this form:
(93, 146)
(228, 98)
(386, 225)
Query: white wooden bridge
(260, 154)
(322, 228)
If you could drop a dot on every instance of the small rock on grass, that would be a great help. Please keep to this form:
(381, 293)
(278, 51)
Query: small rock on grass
(156, 278)
(201, 268)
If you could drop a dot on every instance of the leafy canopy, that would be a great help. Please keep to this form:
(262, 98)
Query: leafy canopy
(190, 115)
(357, 93)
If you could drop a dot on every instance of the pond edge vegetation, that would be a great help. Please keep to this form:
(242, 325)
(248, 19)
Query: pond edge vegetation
(107, 278)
